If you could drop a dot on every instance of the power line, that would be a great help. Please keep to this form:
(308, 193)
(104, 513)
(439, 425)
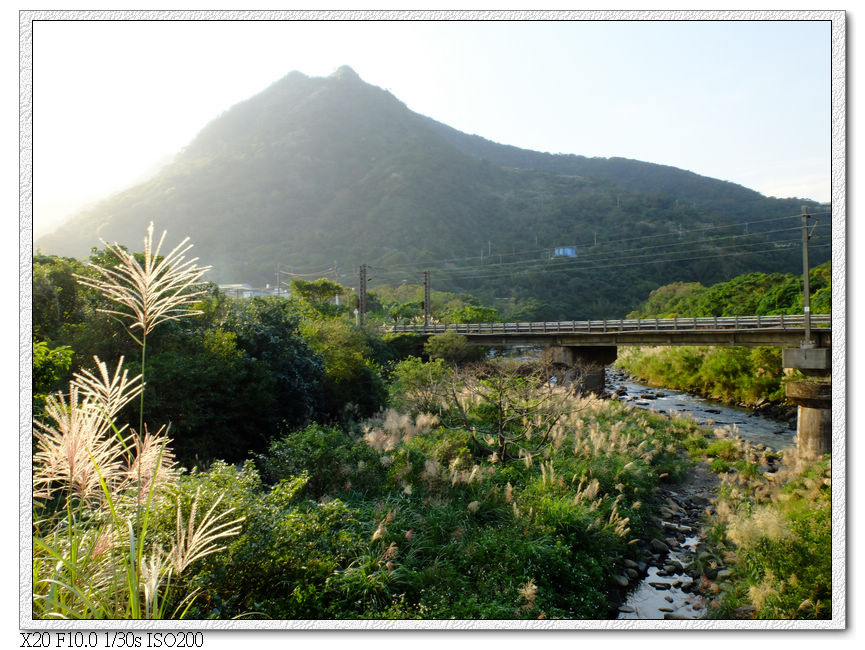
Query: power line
(640, 263)
(738, 251)
(640, 253)
(594, 242)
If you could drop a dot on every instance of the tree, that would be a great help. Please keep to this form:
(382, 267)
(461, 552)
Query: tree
(317, 295)
(512, 410)
(453, 348)
(474, 314)
(351, 384)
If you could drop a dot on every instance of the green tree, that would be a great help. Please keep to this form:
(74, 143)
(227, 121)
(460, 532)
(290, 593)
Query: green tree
(318, 295)
(351, 383)
(50, 370)
(453, 348)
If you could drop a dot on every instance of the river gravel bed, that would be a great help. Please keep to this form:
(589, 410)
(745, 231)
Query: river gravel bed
(661, 587)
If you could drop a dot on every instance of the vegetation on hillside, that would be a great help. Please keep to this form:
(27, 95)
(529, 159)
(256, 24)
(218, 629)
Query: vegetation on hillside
(730, 374)
(313, 171)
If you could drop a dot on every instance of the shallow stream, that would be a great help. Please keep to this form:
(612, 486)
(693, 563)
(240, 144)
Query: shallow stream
(666, 591)
(747, 424)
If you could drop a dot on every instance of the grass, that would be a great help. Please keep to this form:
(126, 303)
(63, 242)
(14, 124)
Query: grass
(96, 486)
(772, 529)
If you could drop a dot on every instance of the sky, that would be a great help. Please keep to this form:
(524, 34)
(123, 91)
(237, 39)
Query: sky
(744, 101)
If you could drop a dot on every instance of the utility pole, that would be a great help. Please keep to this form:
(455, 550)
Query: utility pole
(362, 299)
(806, 288)
(426, 299)
(336, 278)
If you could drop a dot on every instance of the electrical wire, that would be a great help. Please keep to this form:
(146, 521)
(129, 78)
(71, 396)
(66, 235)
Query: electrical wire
(633, 254)
(737, 252)
(612, 241)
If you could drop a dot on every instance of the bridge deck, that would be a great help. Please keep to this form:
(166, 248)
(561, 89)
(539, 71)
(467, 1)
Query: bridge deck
(726, 330)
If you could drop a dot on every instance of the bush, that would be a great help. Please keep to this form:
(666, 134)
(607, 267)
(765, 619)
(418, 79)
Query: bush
(330, 458)
(453, 348)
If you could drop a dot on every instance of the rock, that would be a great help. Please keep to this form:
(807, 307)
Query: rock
(726, 573)
(641, 567)
(632, 574)
(660, 586)
(631, 564)
(665, 609)
(746, 611)
(626, 609)
(658, 546)
(622, 581)
(668, 598)
(676, 617)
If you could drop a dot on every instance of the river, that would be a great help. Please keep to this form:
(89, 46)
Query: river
(747, 424)
(665, 590)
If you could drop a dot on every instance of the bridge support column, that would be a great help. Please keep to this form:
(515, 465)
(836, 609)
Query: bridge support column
(589, 362)
(814, 399)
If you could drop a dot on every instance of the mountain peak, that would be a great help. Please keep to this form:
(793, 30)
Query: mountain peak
(345, 73)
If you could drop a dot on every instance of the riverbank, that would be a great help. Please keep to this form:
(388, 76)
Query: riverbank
(747, 532)
(743, 377)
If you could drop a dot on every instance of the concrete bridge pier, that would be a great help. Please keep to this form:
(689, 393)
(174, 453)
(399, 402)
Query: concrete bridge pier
(587, 360)
(813, 397)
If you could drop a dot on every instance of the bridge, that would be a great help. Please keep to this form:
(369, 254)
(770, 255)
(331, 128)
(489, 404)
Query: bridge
(780, 331)
(593, 344)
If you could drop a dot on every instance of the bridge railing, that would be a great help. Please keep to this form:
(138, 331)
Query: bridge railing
(719, 323)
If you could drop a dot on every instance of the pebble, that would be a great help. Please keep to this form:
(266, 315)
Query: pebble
(669, 599)
(660, 586)
(626, 609)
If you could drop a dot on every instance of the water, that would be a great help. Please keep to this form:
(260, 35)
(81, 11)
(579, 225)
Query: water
(662, 594)
(749, 425)
(658, 594)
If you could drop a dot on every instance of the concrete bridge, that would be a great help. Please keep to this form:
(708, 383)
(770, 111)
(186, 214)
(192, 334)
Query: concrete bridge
(779, 331)
(593, 344)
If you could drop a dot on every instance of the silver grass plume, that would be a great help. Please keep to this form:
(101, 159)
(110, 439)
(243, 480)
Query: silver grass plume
(159, 291)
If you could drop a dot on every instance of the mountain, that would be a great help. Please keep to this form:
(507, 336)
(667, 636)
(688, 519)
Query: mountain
(316, 173)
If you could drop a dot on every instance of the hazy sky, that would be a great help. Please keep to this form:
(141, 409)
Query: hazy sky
(743, 101)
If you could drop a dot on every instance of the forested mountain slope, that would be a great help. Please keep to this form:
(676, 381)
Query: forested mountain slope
(318, 174)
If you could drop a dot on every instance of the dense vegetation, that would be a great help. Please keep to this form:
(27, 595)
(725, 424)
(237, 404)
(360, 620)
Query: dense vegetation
(772, 528)
(314, 469)
(731, 374)
(320, 173)
(746, 295)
